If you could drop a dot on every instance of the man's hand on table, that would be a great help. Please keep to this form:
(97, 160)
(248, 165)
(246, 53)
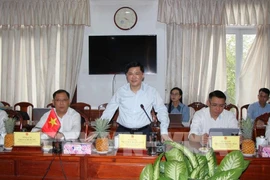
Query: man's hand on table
(59, 136)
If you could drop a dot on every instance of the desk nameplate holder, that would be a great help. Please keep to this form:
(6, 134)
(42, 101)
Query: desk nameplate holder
(225, 143)
(132, 141)
(27, 142)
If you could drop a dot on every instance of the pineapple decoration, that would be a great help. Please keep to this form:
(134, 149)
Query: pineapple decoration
(248, 145)
(9, 138)
(102, 131)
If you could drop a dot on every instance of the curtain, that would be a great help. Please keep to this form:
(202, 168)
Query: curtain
(41, 47)
(255, 72)
(196, 46)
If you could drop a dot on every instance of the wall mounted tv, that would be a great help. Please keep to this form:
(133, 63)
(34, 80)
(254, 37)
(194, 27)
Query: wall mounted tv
(110, 54)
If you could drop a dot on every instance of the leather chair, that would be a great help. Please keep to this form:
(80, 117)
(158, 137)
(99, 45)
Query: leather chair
(14, 114)
(233, 108)
(25, 107)
(101, 108)
(83, 107)
(260, 125)
(84, 123)
(242, 110)
(50, 105)
(197, 106)
(5, 103)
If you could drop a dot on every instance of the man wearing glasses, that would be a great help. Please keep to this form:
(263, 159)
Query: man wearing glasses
(214, 116)
(69, 118)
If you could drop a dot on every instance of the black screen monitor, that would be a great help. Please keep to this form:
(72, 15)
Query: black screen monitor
(110, 54)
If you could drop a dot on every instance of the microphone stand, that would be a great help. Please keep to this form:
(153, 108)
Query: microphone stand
(153, 136)
(145, 113)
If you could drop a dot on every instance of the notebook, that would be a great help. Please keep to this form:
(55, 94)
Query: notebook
(38, 113)
(175, 120)
(223, 132)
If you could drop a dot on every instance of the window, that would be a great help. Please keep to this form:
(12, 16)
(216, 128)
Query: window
(238, 43)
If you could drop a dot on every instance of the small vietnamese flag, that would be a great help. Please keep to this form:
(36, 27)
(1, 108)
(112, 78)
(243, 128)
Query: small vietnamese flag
(52, 124)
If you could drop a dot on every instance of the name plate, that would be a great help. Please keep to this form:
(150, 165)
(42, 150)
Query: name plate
(225, 143)
(132, 141)
(26, 138)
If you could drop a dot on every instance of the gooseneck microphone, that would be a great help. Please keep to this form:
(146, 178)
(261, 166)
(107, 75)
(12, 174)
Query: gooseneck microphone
(145, 113)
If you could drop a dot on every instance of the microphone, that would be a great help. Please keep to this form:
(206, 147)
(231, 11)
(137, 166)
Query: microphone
(145, 113)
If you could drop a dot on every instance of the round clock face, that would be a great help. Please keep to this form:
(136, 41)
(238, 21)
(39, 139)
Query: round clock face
(125, 18)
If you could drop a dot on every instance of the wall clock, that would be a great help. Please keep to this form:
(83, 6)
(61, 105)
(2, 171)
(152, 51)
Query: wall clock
(125, 18)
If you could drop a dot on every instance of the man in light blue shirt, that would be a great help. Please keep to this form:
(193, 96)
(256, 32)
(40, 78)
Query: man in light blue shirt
(258, 108)
(131, 100)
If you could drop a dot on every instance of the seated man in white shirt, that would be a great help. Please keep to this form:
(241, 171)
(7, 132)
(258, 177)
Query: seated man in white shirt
(214, 116)
(69, 118)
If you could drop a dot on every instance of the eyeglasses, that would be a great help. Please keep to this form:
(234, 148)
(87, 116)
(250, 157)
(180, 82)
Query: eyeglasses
(218, 105)
(174, 94)
(61, 100)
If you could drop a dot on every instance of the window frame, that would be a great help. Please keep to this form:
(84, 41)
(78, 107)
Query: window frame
(239, 32)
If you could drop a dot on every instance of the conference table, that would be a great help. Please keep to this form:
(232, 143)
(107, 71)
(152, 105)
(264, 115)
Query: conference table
(118, 164)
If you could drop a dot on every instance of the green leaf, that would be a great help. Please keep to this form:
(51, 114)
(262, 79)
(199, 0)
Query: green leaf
(186, 152)
(203, 172)
(175, 169)
(246, 163)
(162, 166)
(201, 158)
(156, 167)
(164, 178)
(211, 161)
(147, 172)
(232, 174)
(188, 164)
(174, 154)
(232, 160)
(196, 171)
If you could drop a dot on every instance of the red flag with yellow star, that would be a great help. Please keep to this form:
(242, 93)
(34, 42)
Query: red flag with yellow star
(52, 124)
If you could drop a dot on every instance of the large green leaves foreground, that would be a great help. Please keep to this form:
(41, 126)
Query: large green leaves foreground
(182, 164)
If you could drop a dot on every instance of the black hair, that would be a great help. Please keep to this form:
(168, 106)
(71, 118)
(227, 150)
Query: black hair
(134, 64)
(170, 103)
(218, 94)
(265, 90)
(60, 91)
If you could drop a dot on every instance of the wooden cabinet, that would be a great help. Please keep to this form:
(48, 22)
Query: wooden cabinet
(122, 165)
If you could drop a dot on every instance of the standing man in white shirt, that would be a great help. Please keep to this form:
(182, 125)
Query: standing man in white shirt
(214, 116)
(131, 98)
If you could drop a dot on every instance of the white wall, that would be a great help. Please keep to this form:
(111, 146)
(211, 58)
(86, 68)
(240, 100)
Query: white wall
(97, 89)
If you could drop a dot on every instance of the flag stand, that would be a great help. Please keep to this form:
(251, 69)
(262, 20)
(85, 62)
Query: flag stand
(57, 147)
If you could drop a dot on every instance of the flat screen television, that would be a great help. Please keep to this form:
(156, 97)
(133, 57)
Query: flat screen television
(110, 54)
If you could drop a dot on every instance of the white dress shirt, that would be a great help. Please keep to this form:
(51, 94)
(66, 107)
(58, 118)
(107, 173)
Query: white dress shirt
(70, 124)
(3, 116)
(131, 115)
(202, 121)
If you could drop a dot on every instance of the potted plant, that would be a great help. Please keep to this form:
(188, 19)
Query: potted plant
(9, 138)
(101, 133)
(181, 163)
(248, 145)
